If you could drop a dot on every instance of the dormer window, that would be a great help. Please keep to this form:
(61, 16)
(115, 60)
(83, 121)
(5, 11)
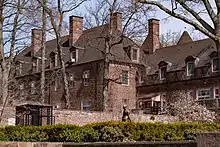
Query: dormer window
(215, 65)
(190, 65)
(18, 68)
(133, 53)
(163, 71)
(53, 60)
(163, 65)
(190, 68)
(74, 54)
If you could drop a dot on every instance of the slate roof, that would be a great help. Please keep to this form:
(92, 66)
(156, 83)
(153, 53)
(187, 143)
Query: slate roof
(176, 55)
(91, 46)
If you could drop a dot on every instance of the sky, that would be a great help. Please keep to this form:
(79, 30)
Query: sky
(172, 24)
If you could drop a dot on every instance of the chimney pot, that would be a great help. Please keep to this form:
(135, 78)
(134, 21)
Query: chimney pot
(75, 28)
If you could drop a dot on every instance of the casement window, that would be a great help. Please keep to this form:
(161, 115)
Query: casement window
(190, 68)
(124, 77)
(74, 55)
(33, 88)
(216, 92)
(203, 93)
(21, 88)
(163, 71)
(135, 54)
(215, 65)
(85, 105)
(86, 75)
(71, 80)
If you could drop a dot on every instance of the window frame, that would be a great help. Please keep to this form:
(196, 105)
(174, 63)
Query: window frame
(86, 76)
(213, 64)
(71, 80)
(89, 105)
(160, 72)
(122, 77)
(75, 51)
(205, 96)
(187, 68)
(214, 92)
(33, 87)
(137, 54)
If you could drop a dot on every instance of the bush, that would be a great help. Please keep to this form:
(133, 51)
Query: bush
(107, 132)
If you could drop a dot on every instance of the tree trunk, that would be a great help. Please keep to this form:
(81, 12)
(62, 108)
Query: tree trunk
(42, 98)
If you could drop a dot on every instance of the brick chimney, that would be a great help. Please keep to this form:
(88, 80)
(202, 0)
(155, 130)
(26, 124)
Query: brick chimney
(36, 41)
(152, 42)
(76, 28)
(116, 21)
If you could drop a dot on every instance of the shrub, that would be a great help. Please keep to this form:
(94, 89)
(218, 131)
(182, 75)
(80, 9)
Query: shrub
(107, 132)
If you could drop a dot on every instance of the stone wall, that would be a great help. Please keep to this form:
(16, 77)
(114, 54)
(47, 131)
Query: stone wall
(128, 144)
(81, 118)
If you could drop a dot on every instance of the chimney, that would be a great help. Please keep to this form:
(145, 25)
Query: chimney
(116, 21)
(36, 41)
(152, 42)
(76, 28)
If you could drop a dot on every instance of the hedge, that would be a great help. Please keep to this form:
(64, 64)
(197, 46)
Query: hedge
(107, 132)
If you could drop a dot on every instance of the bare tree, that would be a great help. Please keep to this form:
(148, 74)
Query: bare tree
(170, 38)
(136, 26)
(201, 14)
(60, 10)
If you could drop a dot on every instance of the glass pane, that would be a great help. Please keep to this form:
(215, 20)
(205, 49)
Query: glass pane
(134, 54)
(190, 68)
(215, 65)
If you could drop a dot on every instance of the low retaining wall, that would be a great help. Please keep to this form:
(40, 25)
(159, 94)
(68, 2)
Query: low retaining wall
(82, 117)
(128, 144)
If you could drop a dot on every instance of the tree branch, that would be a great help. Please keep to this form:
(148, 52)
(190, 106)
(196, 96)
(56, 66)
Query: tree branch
(196, 15)
(210, 11)
(181, 17)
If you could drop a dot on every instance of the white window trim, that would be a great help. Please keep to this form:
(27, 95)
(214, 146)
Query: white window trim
(161, 72)
(33, 88)
(122, 77)
(188, 70)
(72, 58)
(197, 93)
(213, 65)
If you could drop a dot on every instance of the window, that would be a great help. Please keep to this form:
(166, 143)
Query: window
(53, 60)
(163, 71)
(203, 94)
(33, 90)
(73, 56)
(124, 77)
(216, 92)
(215, 65)
(190, 68)
(71, 80)
(35, 65)
(18, 68)
(57, 84)
(86, 78)
(86, 105)
(21, 88)
(135, 54)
